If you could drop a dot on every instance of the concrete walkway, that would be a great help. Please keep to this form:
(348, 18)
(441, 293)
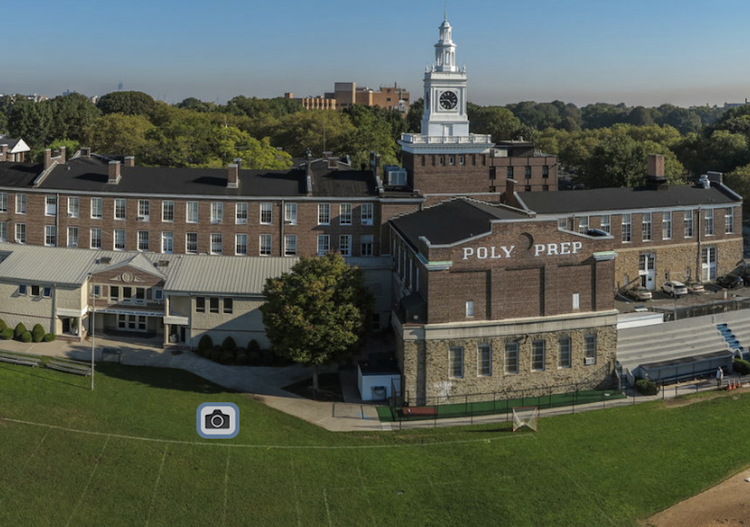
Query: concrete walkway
(265, 385)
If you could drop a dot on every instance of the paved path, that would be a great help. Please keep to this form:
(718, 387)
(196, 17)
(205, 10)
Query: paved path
(265, 384)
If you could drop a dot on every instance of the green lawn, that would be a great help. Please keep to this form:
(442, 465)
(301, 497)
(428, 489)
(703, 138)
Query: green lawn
(593, 469)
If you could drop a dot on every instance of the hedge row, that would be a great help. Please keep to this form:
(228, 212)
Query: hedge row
(37, 334)
(228, 353)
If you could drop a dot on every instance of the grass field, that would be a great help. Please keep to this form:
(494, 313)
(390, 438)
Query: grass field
(128, 454)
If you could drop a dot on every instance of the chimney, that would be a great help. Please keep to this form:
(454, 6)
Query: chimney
(333, 163)
(308, 174)
(129, 161)
(233, 176)
(114, 173)
(85, 151)
(47, 158)
(509, 196)
(655, 178)
(3, 152)
(716, 178)
(61, 156)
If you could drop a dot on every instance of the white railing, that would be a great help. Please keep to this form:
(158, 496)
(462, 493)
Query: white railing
(448, 140)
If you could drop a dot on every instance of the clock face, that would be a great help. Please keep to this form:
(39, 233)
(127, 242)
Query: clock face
(448, 100)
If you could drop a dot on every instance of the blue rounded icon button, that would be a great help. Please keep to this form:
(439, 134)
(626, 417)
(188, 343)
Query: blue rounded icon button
(218, 420)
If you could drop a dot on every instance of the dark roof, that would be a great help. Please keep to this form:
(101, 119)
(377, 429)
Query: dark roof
(9, 141)
(451, 221)
(91, 174)
(568, 201)
(18, 174)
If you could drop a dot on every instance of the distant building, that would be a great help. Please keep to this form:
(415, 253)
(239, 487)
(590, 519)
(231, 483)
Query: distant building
(346, 94)
(13, 150)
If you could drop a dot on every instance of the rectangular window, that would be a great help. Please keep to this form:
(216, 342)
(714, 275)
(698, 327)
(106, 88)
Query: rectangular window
(607, 223)
(167, 242)
(34, 290)
(74, 206)
(345, 214)
(20, 203)
(576, 301)
(469, 308)
(144, 210)
(158, 295)
(96, 238)
(228, 307)
(565, 356)
(646, 224)
(709, 222)
(213, 304)
(50, 235)
(96, 208)
(50, 206)
(456, 362)
(324, 214)
(216, 243)
(217, 212)
(114, 293)
(120, 205)
(22, 290)
(200, 304)
(537, 355)
(511, 357)
(191, 212)
(266, 213)
(20, 233)
(583, 224)
(290, 245)
(3, 232)
(729, 220)
(240, 244)
(493, 173)
(365, 245)
(3, 202)
(461, 160)
(143, 241)
(708, 263)
(119, 239)
(688, 221)
(240, 213)
(191, 242)
(666, 225)
(484, 360)
(127, 294)
(265, 245)
(509, 173)
(345, 244)
(72, 236)
(589, 349)
(324, 244)
(167, 211)
(527, 173)
(47, 292)
(290, 213)
(626, 233)
(545, 172)
(562, 223)
(97, 291)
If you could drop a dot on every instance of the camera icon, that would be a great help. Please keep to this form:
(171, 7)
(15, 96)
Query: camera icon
(218, 420)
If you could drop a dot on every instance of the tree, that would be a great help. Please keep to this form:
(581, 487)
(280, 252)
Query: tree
(118, 134)
(127, 102)
(317, 314)
(31, 122)
(71, 115)
(496, 121)
(739, 181)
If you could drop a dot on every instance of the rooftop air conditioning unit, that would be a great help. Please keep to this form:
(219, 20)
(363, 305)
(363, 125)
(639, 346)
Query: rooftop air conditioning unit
(590, 361)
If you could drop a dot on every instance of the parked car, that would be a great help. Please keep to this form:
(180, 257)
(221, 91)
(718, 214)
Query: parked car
(639, 293)
(674, 288)
(730, 281)
(695, 287)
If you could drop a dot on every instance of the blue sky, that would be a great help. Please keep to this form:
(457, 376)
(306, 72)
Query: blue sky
(683, 52)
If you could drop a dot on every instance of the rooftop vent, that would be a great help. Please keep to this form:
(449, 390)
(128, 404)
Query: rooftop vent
(104, 260)
(162, 263)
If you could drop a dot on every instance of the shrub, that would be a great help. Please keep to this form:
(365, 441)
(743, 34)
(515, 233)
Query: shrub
(229, 344)
(205, 343)
(646, 387)
(243, 358)
(20, 330)
(26, 336)
(268, 357)
(741, 366)
(3, 325)
(253, 357)
(215, 355)
(6, 334)
(37, 333)
(227, 357)
(49, 337)
(253, 346)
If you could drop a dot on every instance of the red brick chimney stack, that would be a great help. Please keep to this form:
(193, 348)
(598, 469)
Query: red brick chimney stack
(129, 161)
(656, 165)
(3, 152)
(114, 173)
(233, 176)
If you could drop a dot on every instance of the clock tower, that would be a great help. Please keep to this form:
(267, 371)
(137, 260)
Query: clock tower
(445, 158)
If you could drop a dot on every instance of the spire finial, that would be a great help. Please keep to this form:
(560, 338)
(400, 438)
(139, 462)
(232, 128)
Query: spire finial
(445, 11)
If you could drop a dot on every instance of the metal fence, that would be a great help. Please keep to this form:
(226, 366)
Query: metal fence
(722, 306)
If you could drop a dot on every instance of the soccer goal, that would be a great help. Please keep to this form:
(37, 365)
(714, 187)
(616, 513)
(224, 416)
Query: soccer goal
(525, 416)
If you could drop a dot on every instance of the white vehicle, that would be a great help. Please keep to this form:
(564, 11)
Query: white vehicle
(674, 288)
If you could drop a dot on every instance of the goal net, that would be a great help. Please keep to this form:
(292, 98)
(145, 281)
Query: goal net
(525, 416)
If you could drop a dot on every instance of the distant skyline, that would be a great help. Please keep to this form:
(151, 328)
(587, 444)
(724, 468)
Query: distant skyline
(581, 51)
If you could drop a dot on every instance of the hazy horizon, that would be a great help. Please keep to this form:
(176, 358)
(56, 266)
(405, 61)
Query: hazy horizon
(648, 53)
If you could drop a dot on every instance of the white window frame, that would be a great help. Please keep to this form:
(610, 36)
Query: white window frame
(50, 205)
(119, 233)
(240, 244)
(511, 362)
(456, 362)
(366, 213)
(144, 210)
(72, 237)
(143, 236)
(120, 210)
(538, 355)
(626, 236)
(290, 213)
(74, 206)
(216, 243)
(729, 220)
(606, 223)
(666, 225)
(240, 213)
(345, 213)
(290, 245)
(324, 213)
(192, 212)
(366, 245)
(21, 203)
(565, 352)
(191, 242)
(3, 231)
(167, 242)
(266, 213)
(646, 230)
(95, 238)
(96, 208)
(345, 244)
(688, 223)
(589, 349)
(265, 245)
(469, 308)
(217, 212)
(324, 244)
(167, 211)
(50, 235)
(484, 360)
(3, 202)
(583, 224)
(709, 221)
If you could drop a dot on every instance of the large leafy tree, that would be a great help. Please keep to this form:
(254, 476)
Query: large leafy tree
(119, 134)
(317, 314)
(71, 115)
(127, 102)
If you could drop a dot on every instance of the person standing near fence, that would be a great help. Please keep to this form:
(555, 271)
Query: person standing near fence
(719, 376)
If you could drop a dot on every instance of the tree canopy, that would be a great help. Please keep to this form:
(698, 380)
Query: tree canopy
(317, 314)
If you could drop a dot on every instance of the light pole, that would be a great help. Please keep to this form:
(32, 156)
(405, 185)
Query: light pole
(93, 328)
